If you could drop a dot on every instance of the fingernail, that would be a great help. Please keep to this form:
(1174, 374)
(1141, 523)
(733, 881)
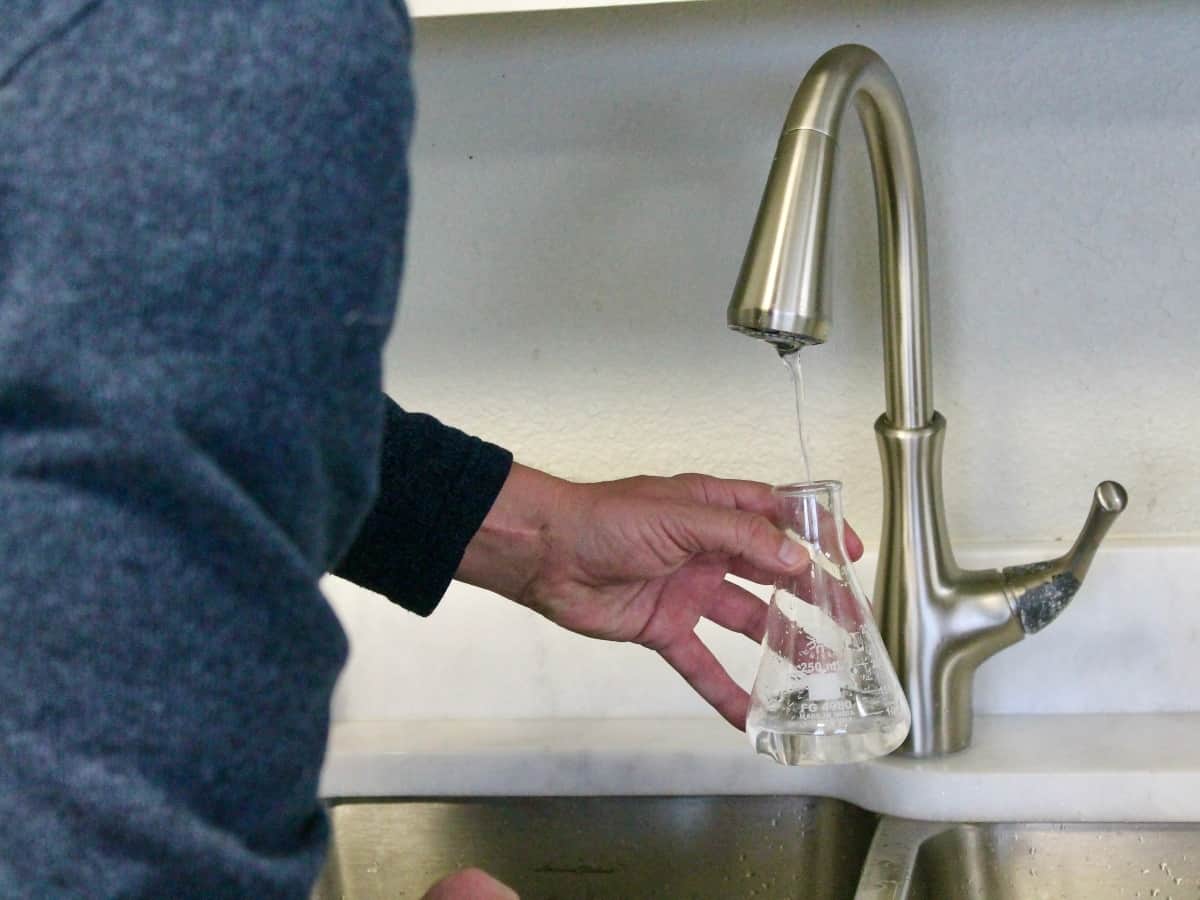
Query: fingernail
(792, 553)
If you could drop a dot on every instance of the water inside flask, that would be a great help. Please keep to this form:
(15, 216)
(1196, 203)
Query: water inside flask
(826, 691)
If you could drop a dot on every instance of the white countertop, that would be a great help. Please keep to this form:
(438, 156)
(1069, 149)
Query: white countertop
(1116, 767)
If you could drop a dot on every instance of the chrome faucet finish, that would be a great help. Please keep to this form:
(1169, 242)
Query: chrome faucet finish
(939, 621)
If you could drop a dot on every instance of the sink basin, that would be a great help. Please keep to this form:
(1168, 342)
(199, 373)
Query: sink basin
(601, 847)
(925, 860)
(554, 848)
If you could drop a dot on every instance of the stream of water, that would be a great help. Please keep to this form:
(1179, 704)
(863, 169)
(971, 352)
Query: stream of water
(791, 359)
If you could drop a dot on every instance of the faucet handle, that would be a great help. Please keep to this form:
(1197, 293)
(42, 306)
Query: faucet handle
(1039, 591)
(1108, 502)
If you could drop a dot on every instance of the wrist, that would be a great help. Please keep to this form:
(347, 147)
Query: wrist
(509, 551)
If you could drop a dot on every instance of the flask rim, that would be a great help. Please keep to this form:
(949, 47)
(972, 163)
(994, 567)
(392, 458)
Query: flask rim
(804, 488)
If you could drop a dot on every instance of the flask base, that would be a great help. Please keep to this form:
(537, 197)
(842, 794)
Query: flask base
(858, 742)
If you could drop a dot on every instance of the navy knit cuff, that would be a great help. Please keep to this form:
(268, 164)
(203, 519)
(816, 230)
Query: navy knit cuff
(436, 486)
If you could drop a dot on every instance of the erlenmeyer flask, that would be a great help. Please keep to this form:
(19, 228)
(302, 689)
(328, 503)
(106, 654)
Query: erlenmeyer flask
(826, 691)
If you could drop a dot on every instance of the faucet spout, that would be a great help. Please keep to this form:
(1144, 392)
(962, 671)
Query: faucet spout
(782, 292)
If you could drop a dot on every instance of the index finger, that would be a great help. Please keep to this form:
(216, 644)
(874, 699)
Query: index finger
(751, 496)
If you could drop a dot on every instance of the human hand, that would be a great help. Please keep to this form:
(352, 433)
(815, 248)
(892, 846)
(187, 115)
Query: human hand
(470, 884)
(642, 560)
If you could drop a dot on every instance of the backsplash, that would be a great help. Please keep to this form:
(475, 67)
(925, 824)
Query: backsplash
(1129, 642)
(584, 184)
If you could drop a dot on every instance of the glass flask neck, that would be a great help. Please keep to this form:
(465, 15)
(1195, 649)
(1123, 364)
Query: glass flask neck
(812, 512)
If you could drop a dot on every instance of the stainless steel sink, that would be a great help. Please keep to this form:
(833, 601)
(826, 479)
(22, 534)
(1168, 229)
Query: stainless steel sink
(601, 847)
(925, 860)
(733, 847)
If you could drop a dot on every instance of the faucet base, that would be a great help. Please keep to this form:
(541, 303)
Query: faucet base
(938, 621)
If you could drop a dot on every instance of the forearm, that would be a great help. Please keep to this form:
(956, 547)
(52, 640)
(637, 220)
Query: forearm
(511, 547)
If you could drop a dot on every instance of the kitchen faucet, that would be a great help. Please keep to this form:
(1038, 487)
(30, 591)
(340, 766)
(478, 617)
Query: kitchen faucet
(939, 621)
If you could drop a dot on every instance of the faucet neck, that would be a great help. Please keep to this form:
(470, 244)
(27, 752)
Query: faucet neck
(855, 73)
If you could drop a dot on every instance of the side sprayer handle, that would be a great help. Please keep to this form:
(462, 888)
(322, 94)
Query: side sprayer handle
(1108, 502)
(1039, 591)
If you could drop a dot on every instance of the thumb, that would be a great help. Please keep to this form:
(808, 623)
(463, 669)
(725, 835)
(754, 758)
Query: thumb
(470, 884)
(737, 534)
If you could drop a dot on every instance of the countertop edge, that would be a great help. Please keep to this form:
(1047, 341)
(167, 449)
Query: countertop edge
(1143, 767)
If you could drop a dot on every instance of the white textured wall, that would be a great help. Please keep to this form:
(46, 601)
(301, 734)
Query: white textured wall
(585, 182)
(584, 186)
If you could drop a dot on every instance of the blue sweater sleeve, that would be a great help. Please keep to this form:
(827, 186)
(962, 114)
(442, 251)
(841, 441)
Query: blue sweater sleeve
(436, 484)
